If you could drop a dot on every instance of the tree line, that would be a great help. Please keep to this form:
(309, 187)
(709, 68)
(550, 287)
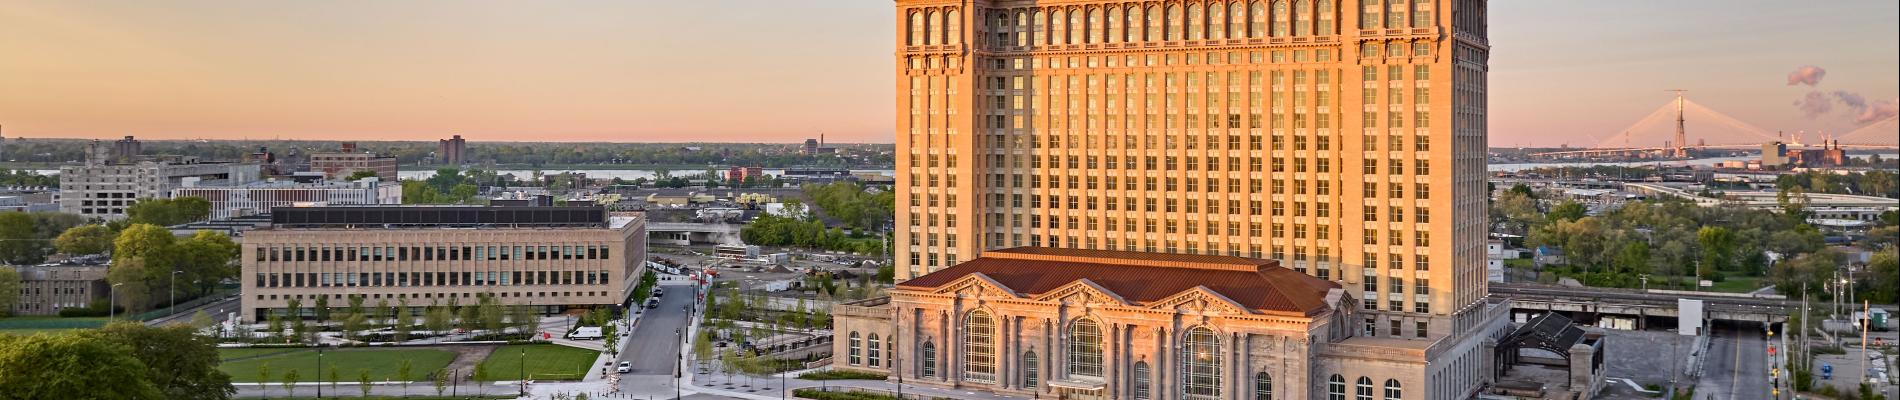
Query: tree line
(124, 360)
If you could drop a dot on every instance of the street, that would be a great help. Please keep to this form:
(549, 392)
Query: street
(1736, 365)
(653, 347)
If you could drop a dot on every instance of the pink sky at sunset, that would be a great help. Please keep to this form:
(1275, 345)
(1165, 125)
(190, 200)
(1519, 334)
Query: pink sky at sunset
(781, 71)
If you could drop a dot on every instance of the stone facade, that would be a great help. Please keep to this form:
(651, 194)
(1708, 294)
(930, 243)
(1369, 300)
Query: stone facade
(46, 289)
(553, 266)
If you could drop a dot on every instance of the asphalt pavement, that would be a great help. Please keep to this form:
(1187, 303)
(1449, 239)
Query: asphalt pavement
(1736, 366)
(653, 347)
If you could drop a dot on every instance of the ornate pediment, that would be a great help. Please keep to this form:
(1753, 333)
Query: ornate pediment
(1082, 292)
(976, 285)
(1200, 300)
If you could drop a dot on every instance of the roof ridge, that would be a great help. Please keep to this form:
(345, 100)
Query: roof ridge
(1114, 257)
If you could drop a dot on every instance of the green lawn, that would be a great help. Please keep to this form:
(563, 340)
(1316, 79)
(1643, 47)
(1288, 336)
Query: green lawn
(381, 363)
(546, 361)
(37, 324)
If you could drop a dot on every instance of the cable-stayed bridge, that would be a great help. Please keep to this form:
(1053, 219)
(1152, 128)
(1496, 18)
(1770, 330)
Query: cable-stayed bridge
(1680, 126)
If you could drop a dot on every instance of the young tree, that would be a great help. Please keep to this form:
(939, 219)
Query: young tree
(263, 374)
(290, 382)
(402, 375)
(362, 377)
(402, 321)
(437, 319)
(322, 309)
(380, 314)
(276, 327)
(441, 381)
(335, 376)
(353, 324)
(491, 314)
(702, 348)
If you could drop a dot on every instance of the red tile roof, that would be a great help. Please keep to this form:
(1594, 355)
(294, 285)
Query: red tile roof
(1142, 278)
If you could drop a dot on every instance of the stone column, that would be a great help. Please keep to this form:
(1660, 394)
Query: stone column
(1489, 359)
(1581, 358)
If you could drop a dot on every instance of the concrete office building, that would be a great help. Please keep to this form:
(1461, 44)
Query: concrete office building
(101, 188)
(260, 197)
(552, 258)
(1345, 139)
(46, 289)
(348, 161)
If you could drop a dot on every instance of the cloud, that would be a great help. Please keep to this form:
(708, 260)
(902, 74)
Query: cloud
(1854, 102)
(1878, 111)
(1814, 104)
(1806, 75)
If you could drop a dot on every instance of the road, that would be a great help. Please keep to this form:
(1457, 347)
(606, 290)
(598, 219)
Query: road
(1736, 366)
(217, 311)
(653, 347)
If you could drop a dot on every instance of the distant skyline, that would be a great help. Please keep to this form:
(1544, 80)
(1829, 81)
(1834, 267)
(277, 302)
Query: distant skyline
(781, 71)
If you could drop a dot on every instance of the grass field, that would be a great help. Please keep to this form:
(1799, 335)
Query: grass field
(381, 363)
(31, 325)
(546, 361)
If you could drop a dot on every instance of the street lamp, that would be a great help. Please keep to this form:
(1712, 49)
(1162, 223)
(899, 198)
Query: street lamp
(112, 302)
(523, 378)
(319, 370)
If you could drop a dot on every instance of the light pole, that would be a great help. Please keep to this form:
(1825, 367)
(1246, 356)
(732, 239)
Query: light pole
(319, 370)
(112, 303)
(523, 379)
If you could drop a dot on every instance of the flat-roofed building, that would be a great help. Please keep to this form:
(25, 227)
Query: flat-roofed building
(553, 258)
(342, 164)
(260, 197)
(46, 289)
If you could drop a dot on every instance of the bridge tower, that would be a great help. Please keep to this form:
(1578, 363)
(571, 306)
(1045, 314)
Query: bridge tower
(1682, 136)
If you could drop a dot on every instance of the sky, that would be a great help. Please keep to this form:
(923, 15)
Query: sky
(1573, 72)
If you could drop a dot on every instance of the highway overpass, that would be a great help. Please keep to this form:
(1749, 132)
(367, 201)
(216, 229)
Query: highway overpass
(1588, 303)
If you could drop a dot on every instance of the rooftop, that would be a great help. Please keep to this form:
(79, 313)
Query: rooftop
(1142, 278)
(411, 216)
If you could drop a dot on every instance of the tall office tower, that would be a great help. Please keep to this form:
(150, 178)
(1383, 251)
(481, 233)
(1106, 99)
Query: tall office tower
(450, 151)
(1344, 138)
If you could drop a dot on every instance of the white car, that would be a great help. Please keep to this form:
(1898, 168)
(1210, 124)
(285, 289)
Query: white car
(625, 367)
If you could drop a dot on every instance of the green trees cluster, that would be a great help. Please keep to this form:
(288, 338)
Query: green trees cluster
(851, 205)
(146, 258)
(1878, 182)
(773, 230)
(1672, 239)
(448, 186)
(27, 238)
(124, 360)
(23, 177)
(168, 212)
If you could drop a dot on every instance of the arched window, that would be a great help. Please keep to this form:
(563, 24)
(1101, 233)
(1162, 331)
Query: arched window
(1262, 386)
(1392, 391)
(1037, 36)
(1174, 23)
(1136, 32)
(1032, 369)
(1362, 389)
(1257, 12)
(1142, 379)
(1325, 11)
(1216, 21)
(1237, 13)
(1369, 18)
(857, 348)
(1022, 28)
(1421, 13)
(1085, 348)
(955, 30)
(874, 351)
(933, 28)
(979, 347)
(929, 359)
(1194, 19)
(1200, 364)
(1075, 27)
(1115, 31)
(1303, 18)
(1281, 18)
(1336, 387)
(916, 29)
(1154, 24)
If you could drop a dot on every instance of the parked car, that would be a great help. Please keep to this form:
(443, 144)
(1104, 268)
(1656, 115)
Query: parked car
(653, 303)
(658, 292)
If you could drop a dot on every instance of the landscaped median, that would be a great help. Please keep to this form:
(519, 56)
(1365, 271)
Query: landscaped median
(544, 362)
